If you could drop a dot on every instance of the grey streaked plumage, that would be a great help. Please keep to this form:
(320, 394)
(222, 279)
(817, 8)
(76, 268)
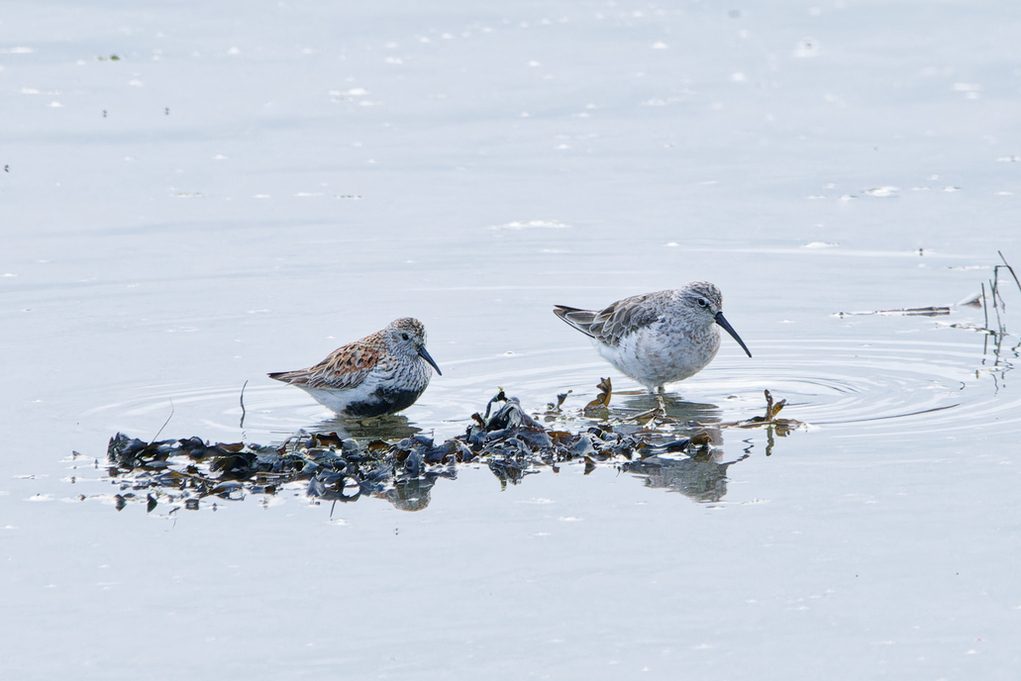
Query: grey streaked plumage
(657, 338)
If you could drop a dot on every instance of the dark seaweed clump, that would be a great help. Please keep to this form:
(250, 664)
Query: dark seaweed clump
(506, 439)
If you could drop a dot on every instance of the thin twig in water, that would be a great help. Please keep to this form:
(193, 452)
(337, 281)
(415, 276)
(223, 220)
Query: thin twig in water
(164, 423)
(242, 424)
(985, 312)
(998, 306)
(1012, 272)
(995, 283)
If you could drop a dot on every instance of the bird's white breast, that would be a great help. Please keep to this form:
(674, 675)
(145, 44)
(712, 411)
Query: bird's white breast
(654, 356)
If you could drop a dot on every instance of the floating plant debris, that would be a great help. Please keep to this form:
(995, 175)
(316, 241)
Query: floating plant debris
(327, 467)
(931, 311)
(782, 426)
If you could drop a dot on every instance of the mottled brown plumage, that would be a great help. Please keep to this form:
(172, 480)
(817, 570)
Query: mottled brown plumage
(383, 373)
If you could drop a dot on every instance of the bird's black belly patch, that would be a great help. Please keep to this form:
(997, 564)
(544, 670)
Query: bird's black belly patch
(383, 402)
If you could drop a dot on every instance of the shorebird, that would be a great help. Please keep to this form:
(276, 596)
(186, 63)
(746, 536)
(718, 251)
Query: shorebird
(383, 373)
(657, 338)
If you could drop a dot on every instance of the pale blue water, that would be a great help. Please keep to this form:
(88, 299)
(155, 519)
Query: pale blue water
(270, 181)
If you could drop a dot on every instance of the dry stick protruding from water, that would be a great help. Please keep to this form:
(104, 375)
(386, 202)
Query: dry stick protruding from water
(165, 422)
(1011, 269)
(985, 312)
(242, 399)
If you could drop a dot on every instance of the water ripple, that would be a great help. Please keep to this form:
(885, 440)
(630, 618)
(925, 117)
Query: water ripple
(859, 388)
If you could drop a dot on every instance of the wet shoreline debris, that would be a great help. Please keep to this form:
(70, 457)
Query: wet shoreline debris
(505, 438)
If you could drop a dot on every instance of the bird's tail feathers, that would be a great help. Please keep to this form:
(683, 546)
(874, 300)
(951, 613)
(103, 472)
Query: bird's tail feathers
(579, 319)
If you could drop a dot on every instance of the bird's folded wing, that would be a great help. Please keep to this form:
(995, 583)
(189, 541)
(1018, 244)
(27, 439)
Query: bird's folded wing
(624, 317)
(345, 368)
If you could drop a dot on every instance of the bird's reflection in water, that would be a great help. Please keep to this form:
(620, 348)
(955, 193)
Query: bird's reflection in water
(677, 409)
(389, 427)
(406, 493)
(410, 495)
(681, 418)
(702, 477)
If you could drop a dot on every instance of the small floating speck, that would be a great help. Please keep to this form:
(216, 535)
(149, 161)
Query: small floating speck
(883, 192)
(807, 47)
(261, 196)
(821, 244)
(951, 189)
(56, 105)
(187, 195)
(659, 45)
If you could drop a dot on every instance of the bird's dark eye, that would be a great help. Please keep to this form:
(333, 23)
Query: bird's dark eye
(404, 336)
(702, 302)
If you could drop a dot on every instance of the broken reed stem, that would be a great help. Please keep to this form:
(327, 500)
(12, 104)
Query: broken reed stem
(1011, 269)
(985, 312)
(996, 307)
(164, 423)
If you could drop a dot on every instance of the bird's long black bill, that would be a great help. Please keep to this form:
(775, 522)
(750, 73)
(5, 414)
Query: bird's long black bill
(722, 321)
(425, 355)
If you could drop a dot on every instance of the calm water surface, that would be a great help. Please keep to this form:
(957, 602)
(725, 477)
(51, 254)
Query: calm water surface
(245, 188)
